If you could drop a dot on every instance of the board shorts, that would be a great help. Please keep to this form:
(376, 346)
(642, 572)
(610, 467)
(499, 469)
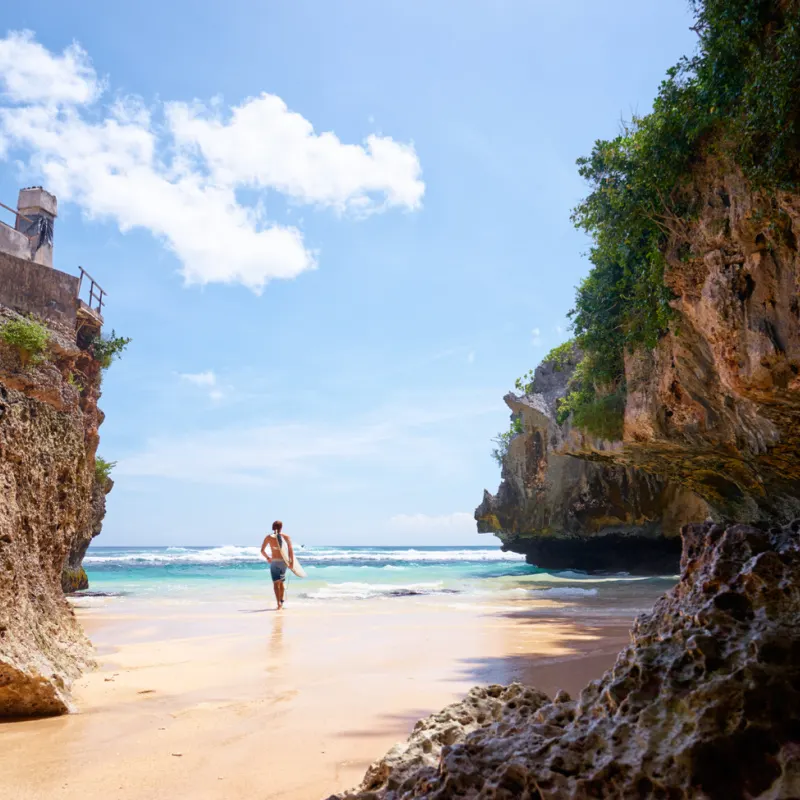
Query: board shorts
(277, 568)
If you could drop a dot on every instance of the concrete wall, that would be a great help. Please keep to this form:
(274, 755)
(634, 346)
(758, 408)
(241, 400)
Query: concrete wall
(14, 242)
(18, 244)
(31, 288)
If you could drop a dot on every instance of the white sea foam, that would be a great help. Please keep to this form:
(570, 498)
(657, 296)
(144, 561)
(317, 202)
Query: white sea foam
(528, 593)
(568, 576)
(91, 601)
(175, 555)
(410, 555)
(366, 591)
(228, 554)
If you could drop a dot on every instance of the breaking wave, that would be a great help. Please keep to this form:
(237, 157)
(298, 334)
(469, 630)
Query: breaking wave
(310, 556)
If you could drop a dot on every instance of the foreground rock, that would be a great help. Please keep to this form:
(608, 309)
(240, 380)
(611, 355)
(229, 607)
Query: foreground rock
(48, 437)
(568, 512)
(703, 703)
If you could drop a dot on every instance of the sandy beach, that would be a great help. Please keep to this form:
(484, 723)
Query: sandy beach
(250, 703)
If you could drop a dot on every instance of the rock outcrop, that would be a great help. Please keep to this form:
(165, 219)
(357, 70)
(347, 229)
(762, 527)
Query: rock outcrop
(48, 437)
(568, 512)
(712, 414)
(73, 576)
(703, 703)
(717, 405)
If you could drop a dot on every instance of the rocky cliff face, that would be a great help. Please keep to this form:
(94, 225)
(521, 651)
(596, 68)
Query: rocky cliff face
(703, 703)
(73, 576)
(717, 405)
(712, 415)
(48, 436)
(568, 512)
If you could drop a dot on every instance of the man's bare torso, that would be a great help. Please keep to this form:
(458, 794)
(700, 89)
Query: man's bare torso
(275, 550)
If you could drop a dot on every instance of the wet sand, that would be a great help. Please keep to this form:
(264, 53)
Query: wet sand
(252, 703)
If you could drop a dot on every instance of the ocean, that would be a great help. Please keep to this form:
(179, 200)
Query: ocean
(197, 575)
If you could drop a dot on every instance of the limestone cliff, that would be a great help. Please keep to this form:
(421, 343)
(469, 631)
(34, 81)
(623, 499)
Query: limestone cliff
(568, 512)
(48, 436)
(73, 576)
(702, 703)
(717, 405)
(712, 414)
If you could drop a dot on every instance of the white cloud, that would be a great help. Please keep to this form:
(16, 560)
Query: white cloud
(30, 73)
(265, 145)
(536, 337)
(471, 357)
(178, 178)
(200, 378)
(205, 380)
(460, 522)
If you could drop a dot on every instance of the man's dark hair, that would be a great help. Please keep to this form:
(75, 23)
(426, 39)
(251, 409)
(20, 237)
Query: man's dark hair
(277, 527)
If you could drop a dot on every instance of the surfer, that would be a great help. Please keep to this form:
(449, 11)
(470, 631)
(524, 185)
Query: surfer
(278, 545)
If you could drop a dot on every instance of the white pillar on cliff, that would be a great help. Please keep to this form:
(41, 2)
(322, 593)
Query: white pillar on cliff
(37, 210)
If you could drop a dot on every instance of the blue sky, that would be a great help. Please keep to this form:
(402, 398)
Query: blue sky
(336, 232)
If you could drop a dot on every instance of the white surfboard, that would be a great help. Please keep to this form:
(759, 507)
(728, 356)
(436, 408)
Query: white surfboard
(295, 565)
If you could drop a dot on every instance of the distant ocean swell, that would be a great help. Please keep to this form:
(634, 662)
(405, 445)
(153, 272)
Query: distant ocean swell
(347, 574)
(228, 554)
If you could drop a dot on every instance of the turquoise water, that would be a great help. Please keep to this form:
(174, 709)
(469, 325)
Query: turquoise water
(207, 574)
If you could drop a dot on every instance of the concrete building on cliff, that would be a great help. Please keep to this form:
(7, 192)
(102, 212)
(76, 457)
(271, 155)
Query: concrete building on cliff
(31, 237)
(29, 283)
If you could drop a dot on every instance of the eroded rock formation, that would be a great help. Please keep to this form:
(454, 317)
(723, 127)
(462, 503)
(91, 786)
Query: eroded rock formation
(568, 512)
(73, 576)
(703, 703)
(48, 436)
(712, 415)
(717, 405)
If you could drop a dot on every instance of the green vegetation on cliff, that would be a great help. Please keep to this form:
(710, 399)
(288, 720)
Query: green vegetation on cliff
(738, 95)
(738, 98)
(102, 470)
(28, 336)
(600, 415)
(736, 101)
(560, 357)
(106, 347)
(503, 440)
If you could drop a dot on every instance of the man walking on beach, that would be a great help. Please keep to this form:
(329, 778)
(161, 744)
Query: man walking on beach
(276, 561)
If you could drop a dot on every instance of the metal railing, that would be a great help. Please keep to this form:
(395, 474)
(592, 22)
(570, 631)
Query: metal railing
(96, 293)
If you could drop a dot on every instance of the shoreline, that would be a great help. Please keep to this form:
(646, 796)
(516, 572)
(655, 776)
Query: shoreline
(188, 703)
